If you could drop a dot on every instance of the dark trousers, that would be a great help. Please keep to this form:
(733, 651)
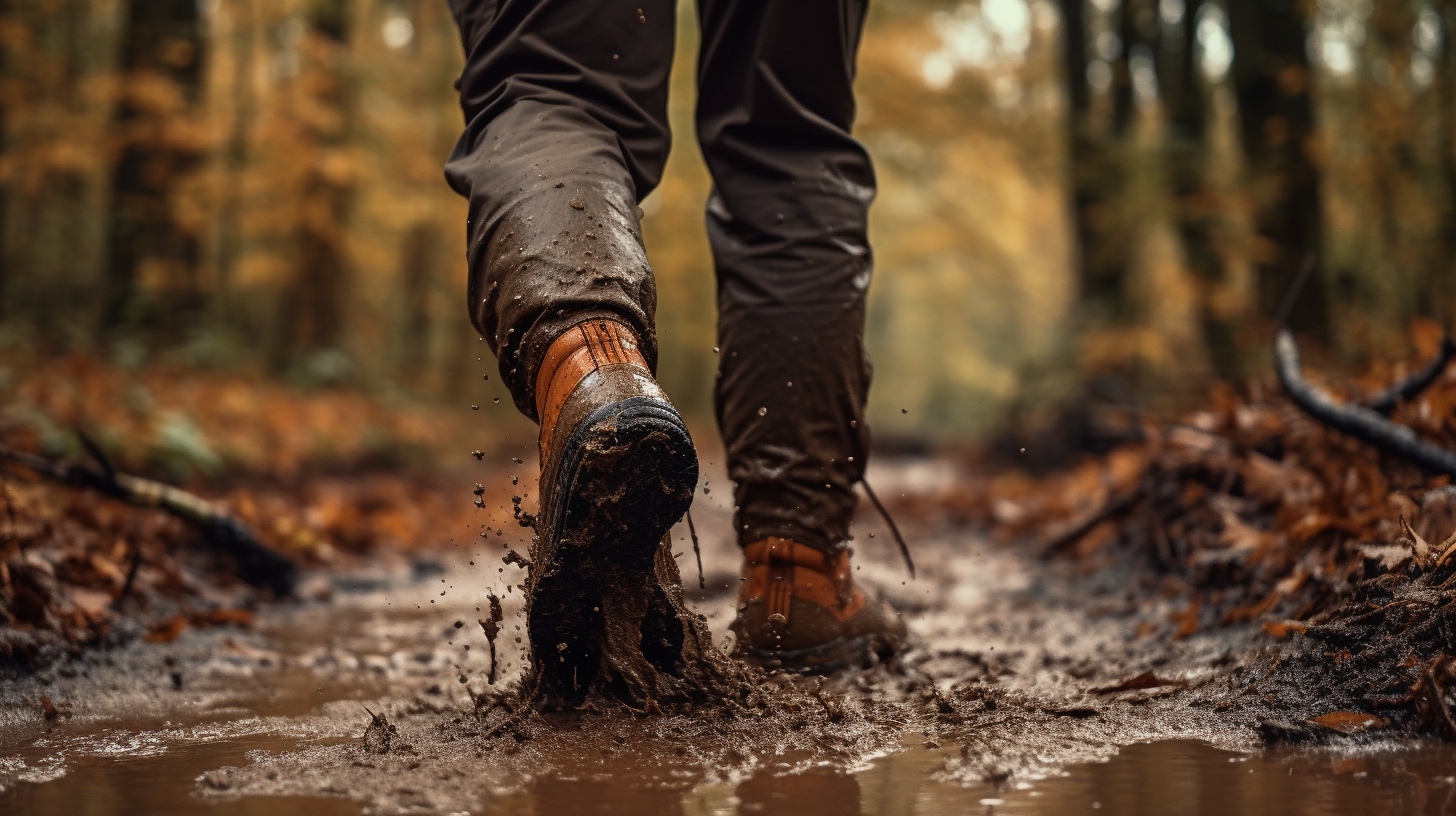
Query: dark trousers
(566, 131)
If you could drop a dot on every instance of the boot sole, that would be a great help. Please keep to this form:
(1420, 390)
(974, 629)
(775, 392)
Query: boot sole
(628, 473)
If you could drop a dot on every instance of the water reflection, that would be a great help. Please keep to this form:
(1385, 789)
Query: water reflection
(1167, 778)
(161, 784)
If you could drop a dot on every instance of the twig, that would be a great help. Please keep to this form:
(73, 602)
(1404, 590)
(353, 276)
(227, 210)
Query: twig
(257, 564)
(1116, 505)
(131, 574)
(1412, 386)
(697, 551)
(1356, 420)
(1296, 286)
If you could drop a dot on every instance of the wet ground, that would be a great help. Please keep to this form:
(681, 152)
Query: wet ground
(1013, 699)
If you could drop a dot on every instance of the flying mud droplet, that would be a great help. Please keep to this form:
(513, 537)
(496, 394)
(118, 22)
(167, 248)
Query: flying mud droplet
(762, 411)
(576, 205)
(475, 407)
(495, 400)
(478, 454)
(516, 558)
(491, 627)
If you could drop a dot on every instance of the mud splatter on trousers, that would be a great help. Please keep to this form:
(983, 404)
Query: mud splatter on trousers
(565, 104)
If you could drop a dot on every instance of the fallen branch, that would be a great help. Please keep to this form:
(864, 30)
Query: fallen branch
(1059, 540)
(1356, 420)
(1412, 386)
(257, 564)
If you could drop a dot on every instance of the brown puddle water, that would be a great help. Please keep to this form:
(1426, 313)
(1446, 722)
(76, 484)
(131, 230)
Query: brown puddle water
(1176, 777)
(141, 743)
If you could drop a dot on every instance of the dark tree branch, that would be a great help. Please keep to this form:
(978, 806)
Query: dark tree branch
(1412, 386)
(257, 564)
(1075, 529)
(1356, 420)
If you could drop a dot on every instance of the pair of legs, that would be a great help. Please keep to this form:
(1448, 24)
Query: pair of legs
(566, 110)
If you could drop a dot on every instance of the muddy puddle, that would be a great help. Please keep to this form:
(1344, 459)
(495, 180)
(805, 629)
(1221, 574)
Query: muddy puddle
(1002, 705)
(1173, 777)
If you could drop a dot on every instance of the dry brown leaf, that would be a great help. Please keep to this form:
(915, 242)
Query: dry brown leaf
(1146, 680)
(1350, 722)
(1424, 556)
(1448, 547)
(1187, 620)
(1282, 629)
(169, 631)
(96, 606)
(218, 617)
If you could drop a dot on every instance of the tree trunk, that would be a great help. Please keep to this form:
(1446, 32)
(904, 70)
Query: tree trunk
(1271, 79)
(161, 62)
(314, 302)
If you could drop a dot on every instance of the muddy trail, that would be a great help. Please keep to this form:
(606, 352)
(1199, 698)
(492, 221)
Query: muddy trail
(1030, 686)
(1243, 609)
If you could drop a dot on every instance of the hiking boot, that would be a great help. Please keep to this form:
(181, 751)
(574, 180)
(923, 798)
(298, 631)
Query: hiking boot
(799, 610)
(618, 469)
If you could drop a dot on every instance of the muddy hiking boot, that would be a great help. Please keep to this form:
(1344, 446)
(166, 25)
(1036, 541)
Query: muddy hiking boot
(618, 469)
(799, 610)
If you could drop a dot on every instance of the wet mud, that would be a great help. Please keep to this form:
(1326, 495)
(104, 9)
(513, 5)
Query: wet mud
(381, 700)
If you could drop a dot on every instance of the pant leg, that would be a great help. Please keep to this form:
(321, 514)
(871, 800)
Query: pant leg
(787, 222)
(566, 131)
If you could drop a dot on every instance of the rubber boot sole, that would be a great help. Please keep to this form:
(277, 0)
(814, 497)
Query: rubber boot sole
(627, 474)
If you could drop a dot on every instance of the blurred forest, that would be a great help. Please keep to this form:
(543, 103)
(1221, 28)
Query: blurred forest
(1089, 197)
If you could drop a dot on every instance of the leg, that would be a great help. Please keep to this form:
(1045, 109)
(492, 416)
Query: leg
(787, 221)
(565, 104)
(566, 130)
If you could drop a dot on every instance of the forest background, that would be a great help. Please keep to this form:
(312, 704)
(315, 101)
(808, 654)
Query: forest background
(1082, 201)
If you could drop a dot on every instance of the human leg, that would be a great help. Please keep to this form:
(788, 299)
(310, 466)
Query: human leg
(565, 104)
(788, 225)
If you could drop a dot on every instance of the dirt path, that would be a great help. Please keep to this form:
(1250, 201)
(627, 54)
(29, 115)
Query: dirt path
(997, 688)
(1018, 669)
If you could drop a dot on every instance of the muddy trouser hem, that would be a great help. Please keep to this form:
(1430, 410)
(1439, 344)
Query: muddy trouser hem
(566, 131)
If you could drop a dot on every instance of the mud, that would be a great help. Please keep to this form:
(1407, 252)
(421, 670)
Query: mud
(1018, 670)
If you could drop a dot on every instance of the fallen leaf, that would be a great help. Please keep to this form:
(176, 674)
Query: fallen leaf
(96, 606)
(1187, 620)
(1281, 629)
(218, 617)
(1350, 722)
(167, 632)
(1146, 680)
(1424, 557)
(1448, 547)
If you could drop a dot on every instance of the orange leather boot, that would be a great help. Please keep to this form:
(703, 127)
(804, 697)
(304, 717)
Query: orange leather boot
(799, 610)
(618, 469)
